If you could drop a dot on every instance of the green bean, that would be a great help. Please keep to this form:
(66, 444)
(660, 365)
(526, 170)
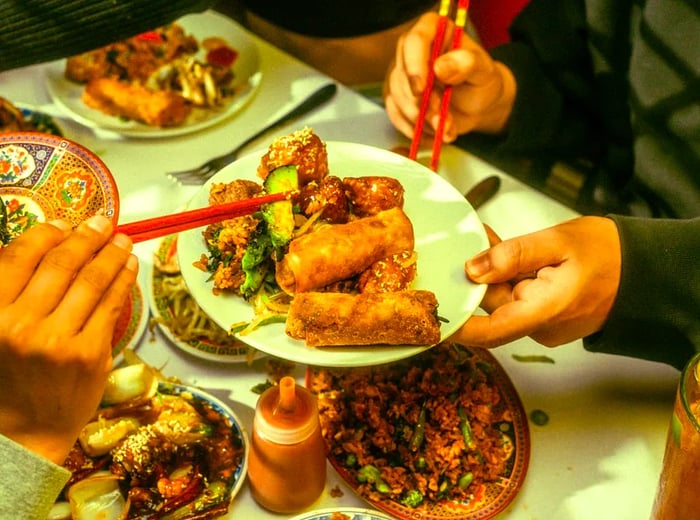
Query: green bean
(419, 433)
(465, 480)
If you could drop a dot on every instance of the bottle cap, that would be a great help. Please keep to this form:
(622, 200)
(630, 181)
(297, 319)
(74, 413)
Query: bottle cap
(286, 413)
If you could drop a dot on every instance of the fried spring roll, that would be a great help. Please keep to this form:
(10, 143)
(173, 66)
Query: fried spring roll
(117, 98)
(395, 318)
(338, 252)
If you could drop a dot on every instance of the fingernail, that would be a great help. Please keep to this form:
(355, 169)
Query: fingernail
(416, 85)
(122, 241)
(60, 224)
(98, 223)
(479, 265)
(132, 264)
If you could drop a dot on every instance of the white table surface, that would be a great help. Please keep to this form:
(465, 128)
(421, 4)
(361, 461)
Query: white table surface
(599, 456)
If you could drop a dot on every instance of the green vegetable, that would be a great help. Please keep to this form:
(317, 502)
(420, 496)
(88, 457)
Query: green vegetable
(413, 498)
(371, 475)
(465, 480)
(421, 463)
(351, 460)
(419, 433)
(533, 359)
(279, 216)
(4, 232)
(539, 417)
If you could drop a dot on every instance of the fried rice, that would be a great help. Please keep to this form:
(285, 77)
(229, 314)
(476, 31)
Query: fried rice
(430, 425)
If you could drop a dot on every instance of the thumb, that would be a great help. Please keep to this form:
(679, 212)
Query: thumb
(514, 258)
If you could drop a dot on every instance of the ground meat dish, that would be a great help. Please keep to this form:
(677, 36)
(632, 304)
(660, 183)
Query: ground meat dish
(431, 425)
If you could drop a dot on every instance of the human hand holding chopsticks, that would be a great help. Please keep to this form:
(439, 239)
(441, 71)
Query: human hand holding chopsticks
(483, 89)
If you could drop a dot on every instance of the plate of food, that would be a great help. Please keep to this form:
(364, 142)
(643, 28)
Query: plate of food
(156, 445)
(45, 177)
(131, 324)
(343, 513)
(374, 289)
(179, 317)
(17, 118)
(442, 436)
(174, 80)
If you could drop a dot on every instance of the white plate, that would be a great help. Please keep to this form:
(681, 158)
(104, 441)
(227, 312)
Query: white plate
(447, 231)
(67, 94)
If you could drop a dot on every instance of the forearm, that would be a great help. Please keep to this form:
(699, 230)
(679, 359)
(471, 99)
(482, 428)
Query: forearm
(36, 31)
(657, 311)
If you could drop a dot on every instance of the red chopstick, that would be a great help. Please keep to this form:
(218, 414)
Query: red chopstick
(147, 229)
(460, 22)
(443, 13)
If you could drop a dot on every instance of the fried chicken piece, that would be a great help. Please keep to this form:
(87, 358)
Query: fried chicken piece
(392, 274)
(132, 101)
(371, 194)
(11, 118)
(328, 196)
(302, 148)
(239, 189)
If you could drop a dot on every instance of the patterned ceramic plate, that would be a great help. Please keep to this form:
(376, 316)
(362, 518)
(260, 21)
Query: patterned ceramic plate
(45, 177)
(343, 513)
(473, 442)
(131, 324)
(169, 297)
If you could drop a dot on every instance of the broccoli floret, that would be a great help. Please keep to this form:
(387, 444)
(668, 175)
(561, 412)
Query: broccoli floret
(372, 475)
(413, 498)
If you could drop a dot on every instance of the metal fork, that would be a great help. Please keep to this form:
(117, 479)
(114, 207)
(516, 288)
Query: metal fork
(208, 169)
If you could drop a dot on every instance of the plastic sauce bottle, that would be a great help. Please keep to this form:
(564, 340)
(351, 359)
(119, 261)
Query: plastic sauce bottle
(287, 464)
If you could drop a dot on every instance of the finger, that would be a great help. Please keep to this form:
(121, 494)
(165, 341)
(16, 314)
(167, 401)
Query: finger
(60, 265)
(515, 257)
(416, 47)
(19, 259)
(507, 323)
(103, 319)
(92, 283)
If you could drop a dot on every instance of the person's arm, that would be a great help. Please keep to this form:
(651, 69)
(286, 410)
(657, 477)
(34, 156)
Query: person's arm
(37, 31)
(656, 314)
(628, 286)
(29, 484)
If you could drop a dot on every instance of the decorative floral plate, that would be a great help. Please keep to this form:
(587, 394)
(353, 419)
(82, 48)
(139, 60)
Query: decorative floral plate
(337, 513)
(167, 286)
(472, 424)
(131, 324)
(45, 177)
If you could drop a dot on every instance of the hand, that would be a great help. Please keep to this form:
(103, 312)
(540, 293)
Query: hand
(62, 293)
(484, 89)
(555, 285)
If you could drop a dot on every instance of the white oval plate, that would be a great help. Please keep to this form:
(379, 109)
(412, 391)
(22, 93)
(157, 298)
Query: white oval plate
(447, 232)
(67, 94)
(353, 513)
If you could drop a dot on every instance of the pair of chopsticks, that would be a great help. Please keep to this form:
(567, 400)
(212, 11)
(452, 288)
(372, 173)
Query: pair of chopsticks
(161, 226)
(446, 7)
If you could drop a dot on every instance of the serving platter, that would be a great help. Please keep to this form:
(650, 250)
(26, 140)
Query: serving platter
(67, 94)
(401, 388)
(131, 324)
(447, 232)
(45, 177)
(162, 309)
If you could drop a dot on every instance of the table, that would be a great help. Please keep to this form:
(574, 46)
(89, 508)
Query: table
(600, 454)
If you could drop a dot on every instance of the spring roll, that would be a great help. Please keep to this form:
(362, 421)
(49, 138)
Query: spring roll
(338, 252)
(395, 318)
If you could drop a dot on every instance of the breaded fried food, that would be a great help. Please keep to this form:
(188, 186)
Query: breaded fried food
(302, 148)
(133, 101)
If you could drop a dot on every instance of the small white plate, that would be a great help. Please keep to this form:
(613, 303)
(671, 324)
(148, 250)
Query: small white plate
(353, 513)
(67, 94)
(131, 324)
(447, 232)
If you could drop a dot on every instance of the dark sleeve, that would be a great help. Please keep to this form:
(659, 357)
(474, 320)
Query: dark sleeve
(550, 59)
(36, 31)
(656, 315)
